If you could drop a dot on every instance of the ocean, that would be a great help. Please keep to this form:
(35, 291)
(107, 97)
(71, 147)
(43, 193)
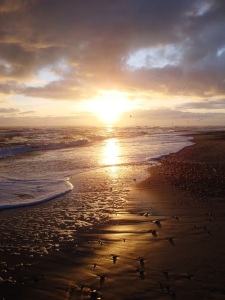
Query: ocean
(37, 164)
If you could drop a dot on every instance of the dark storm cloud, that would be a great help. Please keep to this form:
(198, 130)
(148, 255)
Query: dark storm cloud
(96, 38)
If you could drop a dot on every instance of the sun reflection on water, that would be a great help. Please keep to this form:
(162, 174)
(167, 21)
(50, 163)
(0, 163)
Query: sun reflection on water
(111, 154)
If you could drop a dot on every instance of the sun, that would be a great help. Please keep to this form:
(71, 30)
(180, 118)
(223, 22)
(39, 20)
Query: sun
(109, 106)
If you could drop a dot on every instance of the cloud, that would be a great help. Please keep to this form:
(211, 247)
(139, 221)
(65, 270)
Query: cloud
(57, 90)
(206, 104)
(153, 117)
(77, 120)
(97, 38)
(9, 110)
(174, 117)
(27, 112)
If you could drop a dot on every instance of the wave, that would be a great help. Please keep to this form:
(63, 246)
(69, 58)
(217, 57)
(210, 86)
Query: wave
(20, 193)
(15, 142)
(5, 152)
(26, 141)
(20, 149)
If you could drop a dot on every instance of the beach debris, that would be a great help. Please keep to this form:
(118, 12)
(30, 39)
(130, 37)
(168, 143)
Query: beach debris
(157, 222)
(15, 254)
(166, 274)
(114, 257)
(170, 239)
(188, 276)
(102, 279)
(161, 285)
(153, 232)
(81, 287)
(207, 230)
(102, 243)
(142, 274)
(71, 292)
(3, 263)
(94, 295)
(166, 289)
(7, 282)
(35, 279)
(142, 262)
(172, 294)
(147, 214)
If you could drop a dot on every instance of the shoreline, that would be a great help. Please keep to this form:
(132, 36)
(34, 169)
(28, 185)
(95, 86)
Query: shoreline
(166, 242)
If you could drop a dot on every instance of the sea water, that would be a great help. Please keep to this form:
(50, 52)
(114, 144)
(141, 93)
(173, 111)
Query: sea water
(37, 164)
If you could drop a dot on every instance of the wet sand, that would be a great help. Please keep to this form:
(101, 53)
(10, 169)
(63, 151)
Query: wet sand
(165, 242)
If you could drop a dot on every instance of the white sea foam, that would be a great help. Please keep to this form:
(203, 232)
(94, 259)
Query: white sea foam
(19, 193)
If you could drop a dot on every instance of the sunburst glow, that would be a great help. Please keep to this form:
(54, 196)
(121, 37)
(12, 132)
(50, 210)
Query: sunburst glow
(110, 105)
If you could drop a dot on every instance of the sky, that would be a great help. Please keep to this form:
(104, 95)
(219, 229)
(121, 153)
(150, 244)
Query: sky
(120, 62)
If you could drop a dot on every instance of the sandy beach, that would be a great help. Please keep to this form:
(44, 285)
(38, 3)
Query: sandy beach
(164, 241)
